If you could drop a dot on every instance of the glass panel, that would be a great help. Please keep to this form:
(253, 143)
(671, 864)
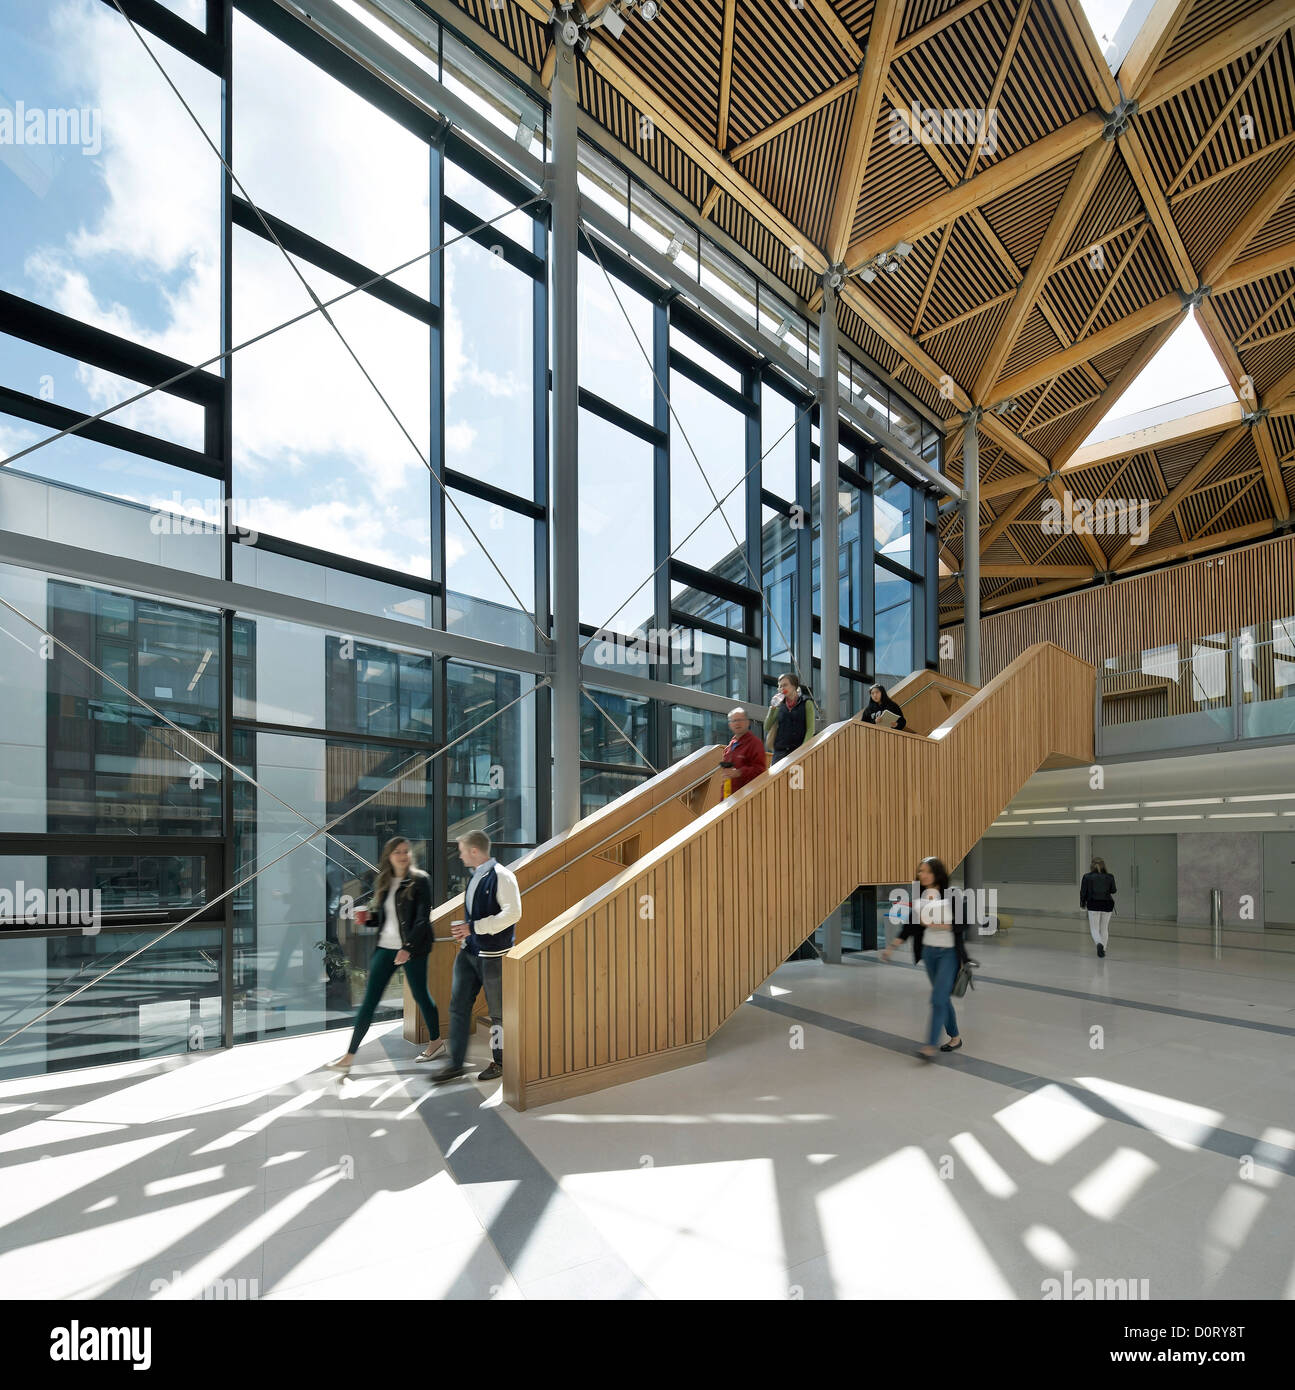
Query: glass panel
(477, 601)
(778, 445)
(81, 889)
(615, 336)
(718, 367)
(616, 510)
(489, 369)
(714, 664)
(488, 206)
(598, 788)
(893, 518)
(716, 443)
(691, 729)
(312, 152)
(491, 774)
(38, 371)
(79, 756)
(264, 569)
(159, 514)
(1268, 681)
(779, 583)
(166, 1000)
(303, 411)
(300, 961)
(104, 221)
(600, 742)
(894, 630)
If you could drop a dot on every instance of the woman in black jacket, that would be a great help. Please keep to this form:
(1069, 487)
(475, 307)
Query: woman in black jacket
(402, 903)
(878, 703)
(941, 938)
(1097, 895)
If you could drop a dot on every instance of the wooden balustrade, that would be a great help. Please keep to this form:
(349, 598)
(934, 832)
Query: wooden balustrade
(571, 866)
(634, 978)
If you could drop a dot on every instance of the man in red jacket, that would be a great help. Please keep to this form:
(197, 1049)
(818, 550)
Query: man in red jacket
(744, 758)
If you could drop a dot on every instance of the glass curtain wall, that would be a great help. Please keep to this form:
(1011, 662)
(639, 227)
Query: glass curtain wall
(174, 759)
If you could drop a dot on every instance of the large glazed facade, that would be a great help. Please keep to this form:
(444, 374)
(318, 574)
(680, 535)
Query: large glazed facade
(311, 582)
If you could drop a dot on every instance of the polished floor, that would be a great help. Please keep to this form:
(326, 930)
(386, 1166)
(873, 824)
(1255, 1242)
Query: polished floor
(1131, 1120)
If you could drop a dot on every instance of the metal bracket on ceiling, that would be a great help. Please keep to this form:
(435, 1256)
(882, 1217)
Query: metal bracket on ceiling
(1193, 299)
(1254, 417)
(834, 277)
(1116, 122)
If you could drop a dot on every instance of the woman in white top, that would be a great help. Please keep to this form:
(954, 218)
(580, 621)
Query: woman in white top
(402, 902)
(938, 940)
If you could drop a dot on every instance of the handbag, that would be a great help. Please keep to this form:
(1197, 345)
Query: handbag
(964, 982)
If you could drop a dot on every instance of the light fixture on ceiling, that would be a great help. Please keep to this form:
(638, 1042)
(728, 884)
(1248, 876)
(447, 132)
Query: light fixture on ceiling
(783, 329)
(675, 247)
(649, 9)
(525, 134)
(612, 20)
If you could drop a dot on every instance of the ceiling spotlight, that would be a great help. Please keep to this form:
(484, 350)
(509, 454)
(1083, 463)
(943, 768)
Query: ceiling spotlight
(902, 249)
(613, 21)
(649, 9)
(891, 266)
(675, 247)
(867, 275)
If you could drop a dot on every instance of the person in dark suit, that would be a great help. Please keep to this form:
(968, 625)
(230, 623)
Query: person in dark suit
(1097, 898)
(879, 702)
(402, 904)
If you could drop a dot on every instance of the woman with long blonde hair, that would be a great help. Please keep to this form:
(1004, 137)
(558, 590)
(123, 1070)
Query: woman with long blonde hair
(402, 901)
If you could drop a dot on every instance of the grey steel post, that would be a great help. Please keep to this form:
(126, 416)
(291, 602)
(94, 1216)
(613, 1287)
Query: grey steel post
(1216, 921)
(564, 248)
(829, 548)
(1238, 689)
(971, 547)
(972, 872)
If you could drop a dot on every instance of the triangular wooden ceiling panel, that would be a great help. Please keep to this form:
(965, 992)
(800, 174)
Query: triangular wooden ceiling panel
(796, 169)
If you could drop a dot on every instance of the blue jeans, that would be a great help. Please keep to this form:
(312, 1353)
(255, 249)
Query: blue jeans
(942, 966)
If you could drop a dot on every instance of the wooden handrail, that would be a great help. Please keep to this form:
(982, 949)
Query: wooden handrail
(638, 974)
(565, 869)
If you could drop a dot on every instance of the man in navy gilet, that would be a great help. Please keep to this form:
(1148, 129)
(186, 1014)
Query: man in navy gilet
(492, 907)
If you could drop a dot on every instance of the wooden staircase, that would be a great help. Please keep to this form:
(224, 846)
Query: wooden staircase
(646, 959)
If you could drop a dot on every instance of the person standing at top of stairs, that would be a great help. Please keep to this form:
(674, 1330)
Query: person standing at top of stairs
(790, 721)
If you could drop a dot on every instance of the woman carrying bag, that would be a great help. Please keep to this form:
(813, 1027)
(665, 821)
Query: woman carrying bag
(402, 903)
(939, 941)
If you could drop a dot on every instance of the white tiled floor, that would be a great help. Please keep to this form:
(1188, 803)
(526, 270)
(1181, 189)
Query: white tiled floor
(797, 1161)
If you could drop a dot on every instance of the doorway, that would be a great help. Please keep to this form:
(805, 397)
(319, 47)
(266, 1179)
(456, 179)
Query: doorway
(1279, 881)
(1146, 874)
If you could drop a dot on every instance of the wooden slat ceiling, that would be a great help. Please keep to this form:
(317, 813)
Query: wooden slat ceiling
(1049, 263)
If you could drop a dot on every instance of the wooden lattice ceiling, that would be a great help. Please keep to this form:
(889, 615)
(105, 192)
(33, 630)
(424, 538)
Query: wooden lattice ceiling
(1050, 260)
